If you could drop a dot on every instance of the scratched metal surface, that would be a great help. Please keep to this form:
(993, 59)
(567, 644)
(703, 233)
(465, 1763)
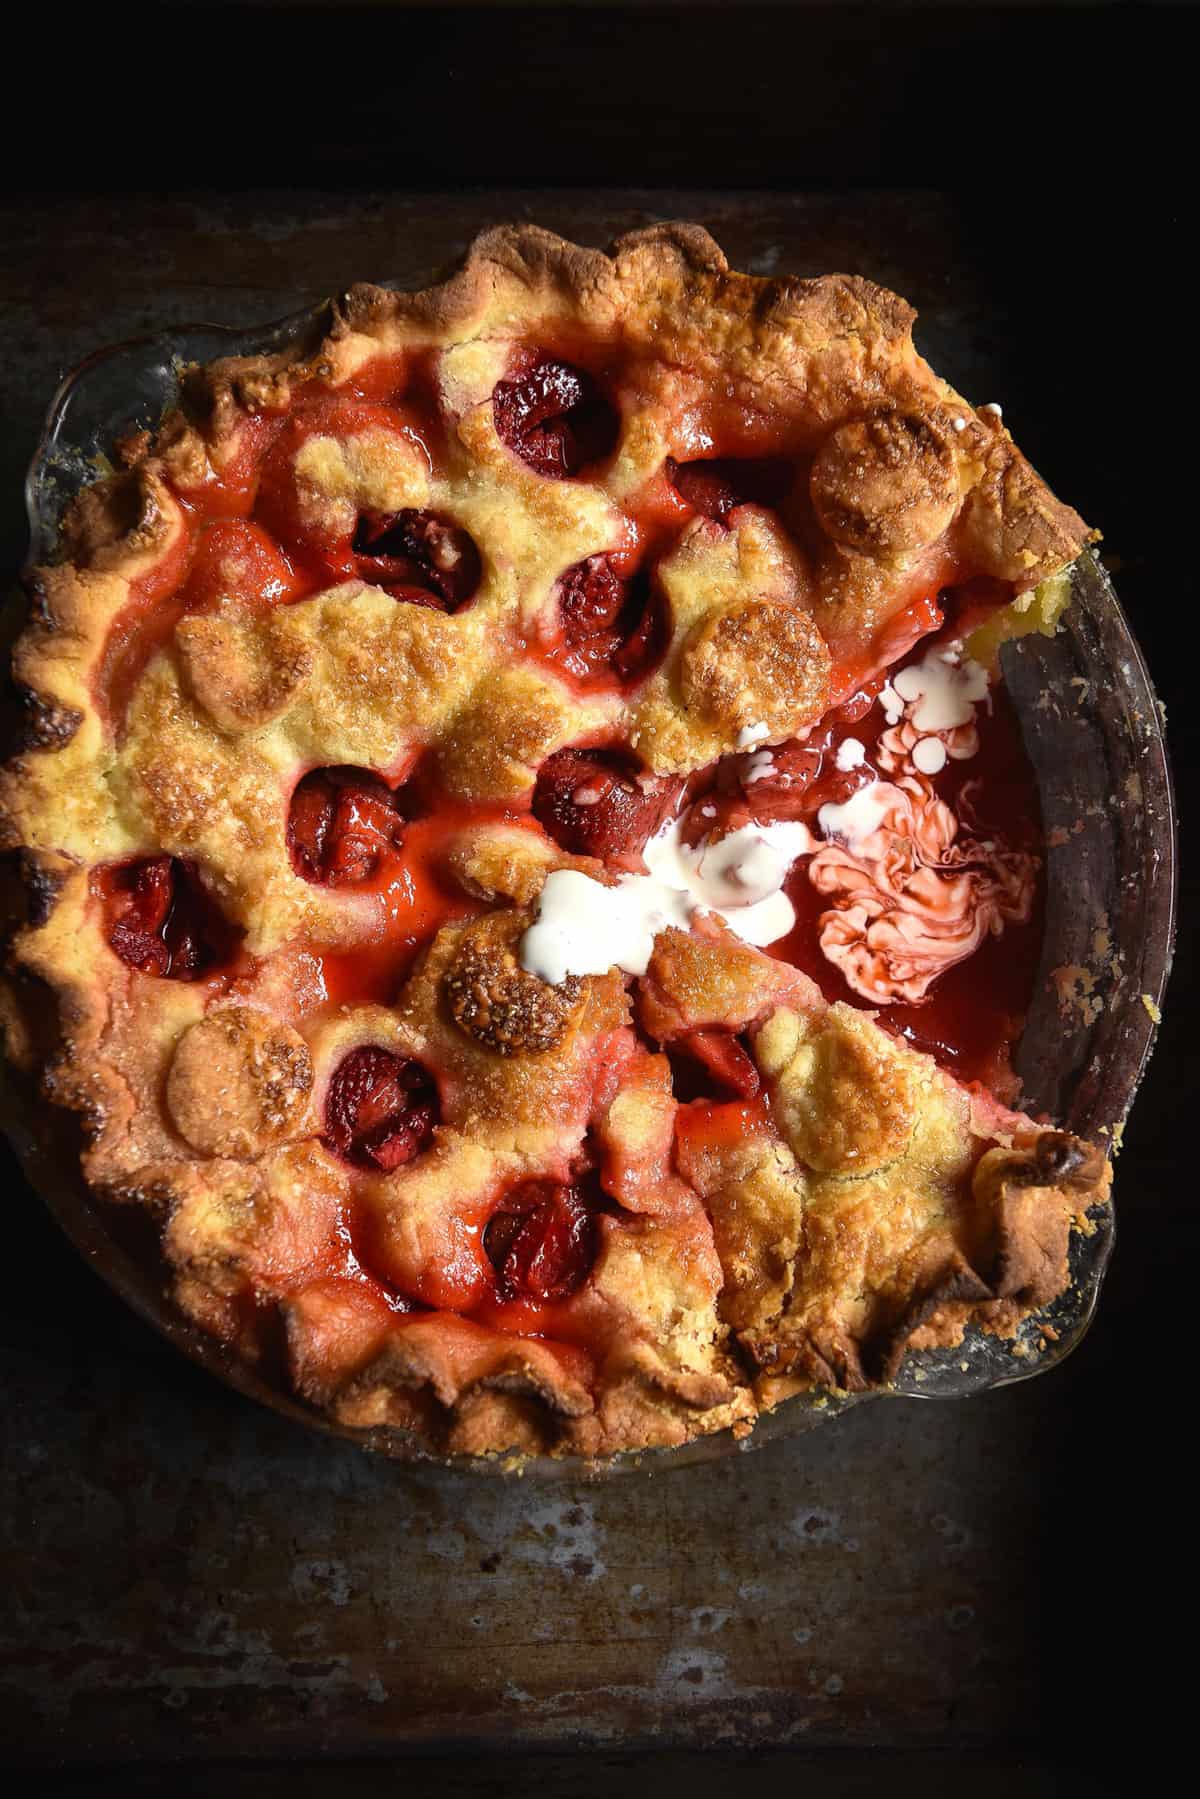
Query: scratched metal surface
(184, 1569)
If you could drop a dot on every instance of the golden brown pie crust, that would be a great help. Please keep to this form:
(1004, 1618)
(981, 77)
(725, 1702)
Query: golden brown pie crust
(865, 1204)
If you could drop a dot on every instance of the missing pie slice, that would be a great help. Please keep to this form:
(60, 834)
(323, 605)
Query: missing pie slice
(533, 878)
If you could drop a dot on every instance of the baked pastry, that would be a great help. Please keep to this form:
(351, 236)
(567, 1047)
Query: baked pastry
(532, 879)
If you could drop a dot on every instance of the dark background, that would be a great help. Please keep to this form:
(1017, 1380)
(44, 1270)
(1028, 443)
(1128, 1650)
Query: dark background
(997, 1595)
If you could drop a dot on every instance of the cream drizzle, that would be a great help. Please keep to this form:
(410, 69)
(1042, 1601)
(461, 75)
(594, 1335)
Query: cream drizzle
(585, 927)
(910, 896)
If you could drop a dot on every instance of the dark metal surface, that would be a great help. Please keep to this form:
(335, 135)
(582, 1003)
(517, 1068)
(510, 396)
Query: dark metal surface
(190, 1575)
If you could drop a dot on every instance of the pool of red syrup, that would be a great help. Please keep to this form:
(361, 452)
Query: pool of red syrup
(974, 1011)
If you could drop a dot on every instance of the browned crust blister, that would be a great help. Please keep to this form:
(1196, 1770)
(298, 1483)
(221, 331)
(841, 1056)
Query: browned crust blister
(877, 1213)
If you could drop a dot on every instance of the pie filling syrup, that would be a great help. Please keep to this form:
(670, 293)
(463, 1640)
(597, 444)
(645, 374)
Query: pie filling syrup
(248, 541)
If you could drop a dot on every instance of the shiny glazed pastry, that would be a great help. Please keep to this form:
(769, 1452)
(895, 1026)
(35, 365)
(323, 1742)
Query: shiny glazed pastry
(532, 876)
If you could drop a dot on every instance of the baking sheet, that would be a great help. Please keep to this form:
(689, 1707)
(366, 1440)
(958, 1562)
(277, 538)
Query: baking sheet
(189, 1571)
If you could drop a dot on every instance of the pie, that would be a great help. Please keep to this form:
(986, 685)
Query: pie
(531, 875)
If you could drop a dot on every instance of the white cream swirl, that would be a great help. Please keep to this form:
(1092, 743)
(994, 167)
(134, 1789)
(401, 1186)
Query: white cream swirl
(910, 897)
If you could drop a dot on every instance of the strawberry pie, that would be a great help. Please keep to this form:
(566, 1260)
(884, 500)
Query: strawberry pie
(532, 876)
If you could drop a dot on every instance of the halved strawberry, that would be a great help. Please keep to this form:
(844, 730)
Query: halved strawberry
(419, 557)
(163, 921)
(598, 803)
(341, 824)
(380, 1110)
(554, 417)
(724, 1058)
(614, 626)
(237, 558)
(541, 1241)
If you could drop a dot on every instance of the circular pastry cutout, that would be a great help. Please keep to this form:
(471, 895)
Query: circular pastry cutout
(380, 1110)
(554, 417)
(342, 823)
(499, 1003)
(162, 920)
(239, 1082)
(760, 662)
(419, 557)
(541, 1241)
(243, 670)
(885, 485)
(602, 803)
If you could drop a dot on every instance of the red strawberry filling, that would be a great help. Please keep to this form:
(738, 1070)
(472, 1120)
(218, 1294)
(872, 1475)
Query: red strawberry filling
(612, 624)
(162, 921)
(342, 823)
(236, 557)
(380, 1110)
(598, 803)
(554, 418)
(722, 1058)
(541, 1242)
(786, 790)
(715, 486)
(419, 557)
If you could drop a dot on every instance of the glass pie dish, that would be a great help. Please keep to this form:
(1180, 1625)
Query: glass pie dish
(1093, 732)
